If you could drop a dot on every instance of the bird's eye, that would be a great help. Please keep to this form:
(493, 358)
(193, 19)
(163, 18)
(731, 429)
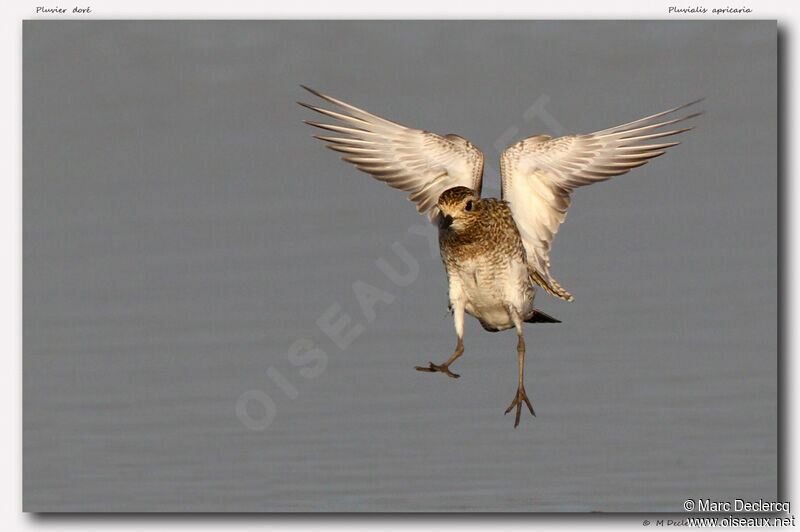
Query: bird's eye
(468, 206)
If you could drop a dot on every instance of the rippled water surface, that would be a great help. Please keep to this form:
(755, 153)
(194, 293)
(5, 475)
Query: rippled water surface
(182, 232)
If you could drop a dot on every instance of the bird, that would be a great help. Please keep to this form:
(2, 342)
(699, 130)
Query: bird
(495, 251)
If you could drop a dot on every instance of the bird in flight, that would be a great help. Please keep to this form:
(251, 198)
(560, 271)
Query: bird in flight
(495, 251)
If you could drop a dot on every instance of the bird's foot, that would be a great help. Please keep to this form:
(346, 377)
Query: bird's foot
(518, 400)
(433, 368)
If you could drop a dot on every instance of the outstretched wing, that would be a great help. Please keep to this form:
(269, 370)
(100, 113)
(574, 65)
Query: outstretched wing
(422, 163)
(539, 174)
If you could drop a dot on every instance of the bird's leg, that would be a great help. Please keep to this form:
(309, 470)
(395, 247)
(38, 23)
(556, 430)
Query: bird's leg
(445, 368)
(521, 395)
(458, 306)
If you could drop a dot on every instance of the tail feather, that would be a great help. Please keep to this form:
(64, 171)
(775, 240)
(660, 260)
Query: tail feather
(540, 317)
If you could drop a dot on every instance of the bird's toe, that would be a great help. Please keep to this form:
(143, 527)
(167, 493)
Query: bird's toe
(433, 368)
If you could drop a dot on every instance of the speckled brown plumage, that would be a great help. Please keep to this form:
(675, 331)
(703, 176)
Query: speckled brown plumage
(491, 232)
(496, 252)
(484, 257)
(487, 271)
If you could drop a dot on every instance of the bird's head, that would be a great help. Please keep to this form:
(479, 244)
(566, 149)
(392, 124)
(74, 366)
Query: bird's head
(459, 207)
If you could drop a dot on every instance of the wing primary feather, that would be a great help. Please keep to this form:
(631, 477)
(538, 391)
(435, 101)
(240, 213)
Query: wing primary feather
(338, 116)
(349, 141)
(625, 132)
(351, 108)
(648, 119)
(351, 149)
(646, 147)
(656, 135)
(342, 129)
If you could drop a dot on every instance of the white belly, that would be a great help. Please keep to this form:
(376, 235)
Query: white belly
(493, 316)
(489, 292)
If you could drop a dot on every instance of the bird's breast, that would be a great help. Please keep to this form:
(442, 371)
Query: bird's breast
(487, 268)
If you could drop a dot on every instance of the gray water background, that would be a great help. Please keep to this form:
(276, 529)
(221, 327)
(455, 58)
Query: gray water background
(182, 230)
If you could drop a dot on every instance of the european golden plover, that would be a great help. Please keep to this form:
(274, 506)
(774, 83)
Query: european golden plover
(496, 252)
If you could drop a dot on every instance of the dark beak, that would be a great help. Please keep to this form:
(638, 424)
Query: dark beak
(445, 221)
